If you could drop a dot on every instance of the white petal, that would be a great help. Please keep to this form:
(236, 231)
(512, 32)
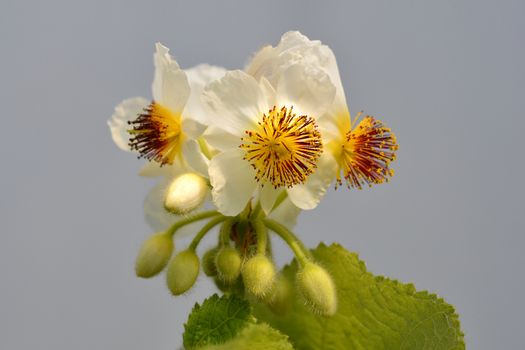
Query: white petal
(308, 89)
(307, 196)
(194, 157)
(198, 77)
(156, 216)
(192, 128)
(294, 39)
(220, 139)
(233, 182)
(153, 169)
(237, 102)
(268, 196)
(286, 213)
(170, 84)
(268, 90)
(126, 111)
(261, 64)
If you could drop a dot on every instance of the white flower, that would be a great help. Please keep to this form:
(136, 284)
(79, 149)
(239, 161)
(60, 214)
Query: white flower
(363, 148)
(165, 130)
(268, 138)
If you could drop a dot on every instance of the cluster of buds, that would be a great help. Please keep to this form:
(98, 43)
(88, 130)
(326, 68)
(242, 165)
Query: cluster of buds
(242, 260)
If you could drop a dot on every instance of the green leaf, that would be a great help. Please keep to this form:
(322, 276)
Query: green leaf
(216, 321)
(373, 312)
(255, 337)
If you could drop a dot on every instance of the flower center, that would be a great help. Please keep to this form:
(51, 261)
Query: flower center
(366, 154)
(156, 134)
(284, 149)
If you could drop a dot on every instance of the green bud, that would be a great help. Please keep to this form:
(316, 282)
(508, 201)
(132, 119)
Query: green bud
(208, 262)
(182, 272)
(228, 263)
(258, 274)
(186, 193)
(280, 298)
(154, 255)
(317, 288)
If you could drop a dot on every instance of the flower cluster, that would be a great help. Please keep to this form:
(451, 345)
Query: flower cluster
(260, 145)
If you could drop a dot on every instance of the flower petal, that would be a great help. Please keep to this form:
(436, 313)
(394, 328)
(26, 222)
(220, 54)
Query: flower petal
(306, 88)
(220, 139)
(156, 216)
(192, 128)
(307, 196)
(268, 196)
(237, 102)
(296, 48)
(127, 110)
(233, 181)
(170, 84)
(286, 213)
(194, 157)
(154, 169)
(198, 77)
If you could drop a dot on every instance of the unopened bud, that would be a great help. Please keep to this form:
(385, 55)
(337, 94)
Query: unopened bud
(154, 255)
(258, 275)
(228, 263)
(182, 272)
(186, 193)
(317, 288)
(280, 298)
(208, 262)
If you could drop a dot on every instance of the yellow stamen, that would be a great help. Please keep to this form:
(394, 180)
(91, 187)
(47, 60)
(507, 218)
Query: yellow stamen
(366, 154)
(156, 134)
(284, 149)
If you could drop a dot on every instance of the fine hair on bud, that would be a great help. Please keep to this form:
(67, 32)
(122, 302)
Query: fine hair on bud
(258, 274)
(182, 272)
(280, 299)
(154, 254)
(317, 288)
(228, 263)
(208, 262)
(186, 193)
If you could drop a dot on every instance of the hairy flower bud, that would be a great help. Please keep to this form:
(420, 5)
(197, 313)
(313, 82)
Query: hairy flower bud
(186, 193)
(228, 263)
(154, 255)
(182, 272)
(317, 288)
(208, 262)
(258, 275)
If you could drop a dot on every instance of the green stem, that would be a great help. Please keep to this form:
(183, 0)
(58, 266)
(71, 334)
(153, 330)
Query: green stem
(203, 215)
(262, 236)
(301, 253)
(198, 237)
(257, 210)
(226, 228)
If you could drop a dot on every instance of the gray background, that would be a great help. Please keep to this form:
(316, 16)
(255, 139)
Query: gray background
(447, 76)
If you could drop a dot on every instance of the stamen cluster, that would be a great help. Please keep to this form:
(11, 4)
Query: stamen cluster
(367, 152)
(156, 134)
(284, 149)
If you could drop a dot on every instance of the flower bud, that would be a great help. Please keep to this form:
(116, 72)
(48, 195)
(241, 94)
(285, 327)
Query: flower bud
(208, 262)
(317, 288)
(186, 193)
(228, 263)
(280, 298)
(153, 255)
(258, 275)
(182, 272)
